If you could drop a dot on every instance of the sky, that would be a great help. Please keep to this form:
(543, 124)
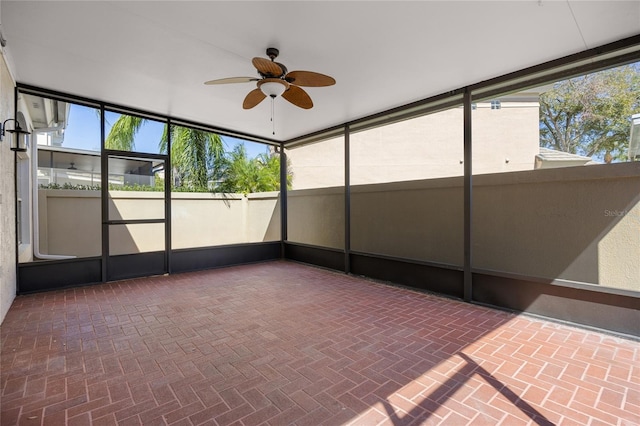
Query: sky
(83, 132)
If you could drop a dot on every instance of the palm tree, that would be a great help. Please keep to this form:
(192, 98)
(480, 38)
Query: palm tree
(122, 133)
(246, 175)
(270, 171)
(196, 156)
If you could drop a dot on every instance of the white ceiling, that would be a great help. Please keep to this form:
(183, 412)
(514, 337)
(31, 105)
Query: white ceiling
(155, 56)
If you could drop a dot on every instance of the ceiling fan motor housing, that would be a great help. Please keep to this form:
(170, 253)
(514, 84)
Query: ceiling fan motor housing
(272, 52)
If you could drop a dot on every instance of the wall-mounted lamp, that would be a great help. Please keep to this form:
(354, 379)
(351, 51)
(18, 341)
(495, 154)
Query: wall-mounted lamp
(20, 138)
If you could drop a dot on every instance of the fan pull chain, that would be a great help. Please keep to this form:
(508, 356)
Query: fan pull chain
(273, 113)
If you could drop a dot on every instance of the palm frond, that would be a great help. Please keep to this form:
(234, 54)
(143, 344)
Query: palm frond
(122, 134)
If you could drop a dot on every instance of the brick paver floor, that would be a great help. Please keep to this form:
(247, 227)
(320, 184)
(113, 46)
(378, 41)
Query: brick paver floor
(282, 343)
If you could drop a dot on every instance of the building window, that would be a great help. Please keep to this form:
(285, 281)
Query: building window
(495, 105)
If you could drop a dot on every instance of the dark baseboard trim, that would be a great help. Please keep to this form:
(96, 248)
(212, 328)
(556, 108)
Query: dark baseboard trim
(125, 266)
(54, 274)
(329, 258)
(423, 276)
(197, 259)
(58, 274)
(598, 309)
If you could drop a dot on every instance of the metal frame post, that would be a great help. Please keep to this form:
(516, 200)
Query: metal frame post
(468, 197)
(283, 200)
(347, 200)
(104, 196)
(167, 200)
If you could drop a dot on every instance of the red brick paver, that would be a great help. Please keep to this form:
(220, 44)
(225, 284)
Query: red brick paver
(281, 343)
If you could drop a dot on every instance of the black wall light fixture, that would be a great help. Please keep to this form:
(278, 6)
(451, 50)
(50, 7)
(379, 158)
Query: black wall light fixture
(20, 139)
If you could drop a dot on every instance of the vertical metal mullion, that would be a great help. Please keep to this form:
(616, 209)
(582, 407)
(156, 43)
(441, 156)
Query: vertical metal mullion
(15, 191)
(167, 201)
(104, 197)
(347, 200)
(468, 198)
(283, 200)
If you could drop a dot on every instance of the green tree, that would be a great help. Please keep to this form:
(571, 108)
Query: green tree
(196, 156)
(122, 134)
(591, 115)
(246, 175)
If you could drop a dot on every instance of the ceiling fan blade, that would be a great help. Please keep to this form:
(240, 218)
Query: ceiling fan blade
(232, 80)
(253, 98)
(267, 67)
(309, 79)
(298, 97)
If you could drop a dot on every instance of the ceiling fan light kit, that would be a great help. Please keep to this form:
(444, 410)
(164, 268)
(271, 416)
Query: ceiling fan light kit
(273, 87)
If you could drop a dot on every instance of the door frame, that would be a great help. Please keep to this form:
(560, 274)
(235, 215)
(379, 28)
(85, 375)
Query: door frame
(124, 266)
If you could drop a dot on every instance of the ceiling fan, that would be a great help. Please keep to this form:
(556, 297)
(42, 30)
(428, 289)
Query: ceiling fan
(275, 81)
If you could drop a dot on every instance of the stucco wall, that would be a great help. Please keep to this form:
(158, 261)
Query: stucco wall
(7, 197)
(579, 223)
(426, 147)
(316, 217)
(70, 221)
(421, 220)
(202, 220)
(263, 217)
